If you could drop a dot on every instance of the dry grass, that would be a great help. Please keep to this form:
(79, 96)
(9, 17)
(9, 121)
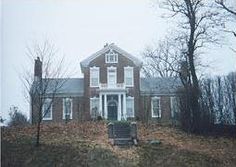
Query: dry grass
(220, 148)
(86, 144)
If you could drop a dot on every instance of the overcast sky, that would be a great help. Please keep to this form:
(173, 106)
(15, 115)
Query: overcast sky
(79, 28)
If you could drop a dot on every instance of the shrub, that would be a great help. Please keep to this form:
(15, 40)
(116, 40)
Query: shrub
(99, 118)
(17, 118)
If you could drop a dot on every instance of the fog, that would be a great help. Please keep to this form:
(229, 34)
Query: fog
(78, 29)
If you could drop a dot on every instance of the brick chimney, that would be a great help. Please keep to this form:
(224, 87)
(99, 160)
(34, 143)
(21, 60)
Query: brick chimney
(37, 69)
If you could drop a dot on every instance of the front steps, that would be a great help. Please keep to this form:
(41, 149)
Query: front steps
(122, 133)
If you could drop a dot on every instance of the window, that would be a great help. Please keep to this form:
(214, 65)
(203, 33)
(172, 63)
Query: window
(130, 106)
(47, 109)
(111, 76)
(111, 57)
(174, 107)
(156, 108)
(67, 108)
(128, 76)
(94, 76)
(94, 107)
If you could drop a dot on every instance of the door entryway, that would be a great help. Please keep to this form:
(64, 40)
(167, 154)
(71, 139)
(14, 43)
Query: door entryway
(112, 110)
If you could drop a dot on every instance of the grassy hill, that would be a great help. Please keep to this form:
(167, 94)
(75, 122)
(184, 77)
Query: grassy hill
(86, 144)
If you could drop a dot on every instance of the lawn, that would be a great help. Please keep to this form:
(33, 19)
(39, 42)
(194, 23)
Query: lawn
(86, 144)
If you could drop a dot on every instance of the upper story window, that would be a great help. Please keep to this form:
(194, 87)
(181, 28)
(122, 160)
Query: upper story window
(111, 57)
(111, 76)
(47, 109)
(128, 76)
(94, 76)
(67, 108)
(156, 107)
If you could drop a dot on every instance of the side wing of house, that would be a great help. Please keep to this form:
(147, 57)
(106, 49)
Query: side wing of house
(66, 104)
(159, 100)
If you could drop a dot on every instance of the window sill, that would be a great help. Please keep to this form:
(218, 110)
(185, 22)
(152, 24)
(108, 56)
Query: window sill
(156, 116)
(47, 119)
(94, 86)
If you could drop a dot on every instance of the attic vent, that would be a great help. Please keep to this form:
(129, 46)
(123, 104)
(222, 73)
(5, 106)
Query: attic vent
(111, 57)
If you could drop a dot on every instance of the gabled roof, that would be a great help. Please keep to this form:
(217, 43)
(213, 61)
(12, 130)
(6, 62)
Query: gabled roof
(71, 86)
(106, 48)
(66, 86)
(155, 86)
(148, 86)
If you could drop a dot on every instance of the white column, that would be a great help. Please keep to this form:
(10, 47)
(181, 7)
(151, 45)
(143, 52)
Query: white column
(124, 106)
(105, 106)
(119, 107)
(100, 104)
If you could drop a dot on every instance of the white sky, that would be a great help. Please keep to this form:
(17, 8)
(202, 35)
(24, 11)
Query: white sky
(78, 29)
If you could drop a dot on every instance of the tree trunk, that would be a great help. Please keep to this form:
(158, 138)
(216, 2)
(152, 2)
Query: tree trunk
(38, 134)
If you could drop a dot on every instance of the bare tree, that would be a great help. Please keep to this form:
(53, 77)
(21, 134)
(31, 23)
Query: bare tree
(228, 15)
(45, 82)
(224, 4)
(161, 61)
(196, 29)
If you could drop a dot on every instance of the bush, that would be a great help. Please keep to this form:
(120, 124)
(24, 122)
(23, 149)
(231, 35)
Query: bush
(99, 118)
(17, 118)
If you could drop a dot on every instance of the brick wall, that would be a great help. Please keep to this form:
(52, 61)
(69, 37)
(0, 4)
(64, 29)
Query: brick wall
(145, 108)
(122, 62)
(57, 110)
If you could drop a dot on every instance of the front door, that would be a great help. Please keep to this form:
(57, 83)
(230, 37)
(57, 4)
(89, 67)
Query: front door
(112, 110)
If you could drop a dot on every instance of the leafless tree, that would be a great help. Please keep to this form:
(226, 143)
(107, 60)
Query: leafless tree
(196, 27)
(161, 61)
(228, 15)
(224, 4)
(44, 82)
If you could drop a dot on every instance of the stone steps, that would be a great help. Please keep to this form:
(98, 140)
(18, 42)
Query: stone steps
(121, 131)
(121, 134)
(123, 141)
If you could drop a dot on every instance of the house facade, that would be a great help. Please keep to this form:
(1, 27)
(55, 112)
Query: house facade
(111, 89)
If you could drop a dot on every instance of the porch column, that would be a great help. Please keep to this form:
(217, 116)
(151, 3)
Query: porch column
(105, 106)
(124, 105)
(100, 104)
(119, 107)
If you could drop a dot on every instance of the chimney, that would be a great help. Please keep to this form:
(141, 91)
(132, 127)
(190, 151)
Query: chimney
(37, 69)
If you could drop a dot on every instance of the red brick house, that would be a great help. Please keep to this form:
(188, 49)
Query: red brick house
(111, 89)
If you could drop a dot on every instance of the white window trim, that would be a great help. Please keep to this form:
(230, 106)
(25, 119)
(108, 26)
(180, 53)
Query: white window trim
(90, 107)
(109, 54)
(50, 118)
(130, 98)
(111, 68)
(172, 105)
(156, 116)
(129, 68)
(64, 114)
(94, 68)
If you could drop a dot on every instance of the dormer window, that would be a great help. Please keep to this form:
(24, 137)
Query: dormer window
(111, 57)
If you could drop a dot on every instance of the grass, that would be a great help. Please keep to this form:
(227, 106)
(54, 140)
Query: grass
(86, 144)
